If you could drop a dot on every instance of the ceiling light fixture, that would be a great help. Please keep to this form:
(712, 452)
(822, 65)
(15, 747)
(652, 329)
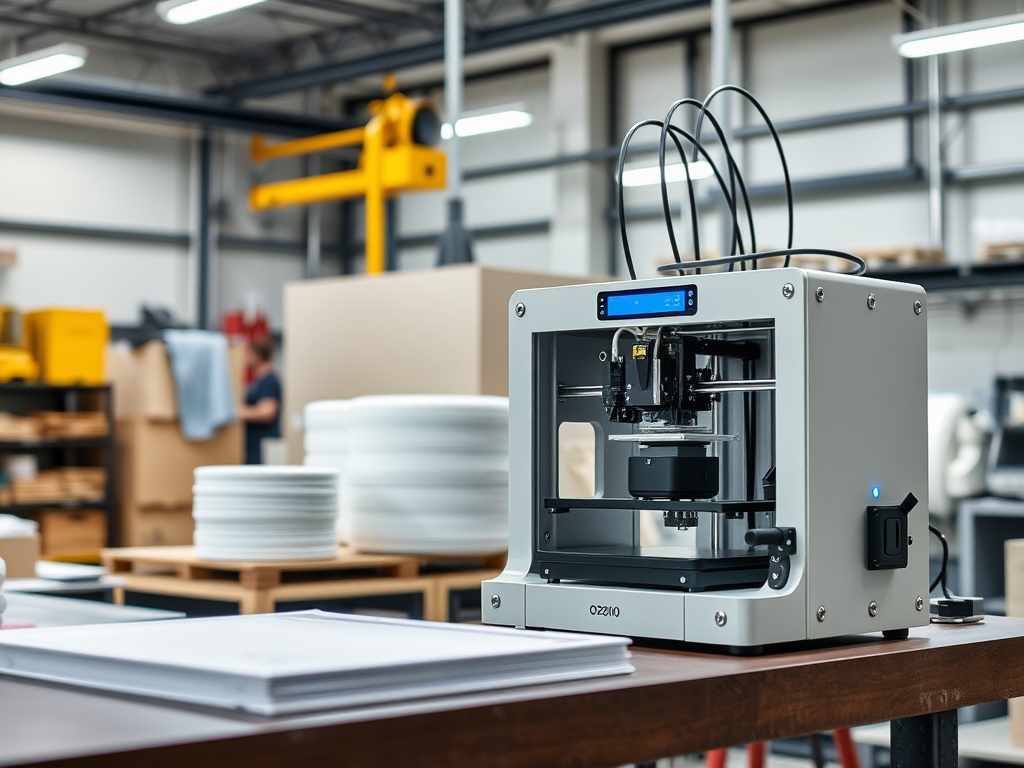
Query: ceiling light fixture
(960, 37)
(643, 177)
(490, 121)
(45, 63)
(188, 11)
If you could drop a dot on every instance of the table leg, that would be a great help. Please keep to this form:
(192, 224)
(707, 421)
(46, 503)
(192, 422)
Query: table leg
(926, 741)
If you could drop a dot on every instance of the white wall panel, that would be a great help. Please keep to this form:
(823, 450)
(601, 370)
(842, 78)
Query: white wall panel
(55, 172)
(243, 276)
(115, 276)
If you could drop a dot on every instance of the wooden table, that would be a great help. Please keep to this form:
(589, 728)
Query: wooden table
(677, 702)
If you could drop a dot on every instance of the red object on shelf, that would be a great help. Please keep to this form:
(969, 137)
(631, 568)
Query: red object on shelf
(241, 327)
(756, 752)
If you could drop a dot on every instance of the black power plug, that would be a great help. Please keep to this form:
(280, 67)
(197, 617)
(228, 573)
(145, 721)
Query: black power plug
(951, 609)
(957, 610)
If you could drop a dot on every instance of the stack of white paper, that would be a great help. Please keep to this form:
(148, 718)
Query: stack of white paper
(294, 662)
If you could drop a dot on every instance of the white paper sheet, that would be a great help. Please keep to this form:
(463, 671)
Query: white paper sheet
(273, 663)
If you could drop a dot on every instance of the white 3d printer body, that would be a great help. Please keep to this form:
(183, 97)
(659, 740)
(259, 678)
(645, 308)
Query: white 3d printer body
(806, 386)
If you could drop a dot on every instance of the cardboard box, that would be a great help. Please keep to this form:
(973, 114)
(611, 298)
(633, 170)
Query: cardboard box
(155, 462)
(144, 385)
(1014, 555)
(156, 527)
(20, 553)
(442, 331)
(72, 533)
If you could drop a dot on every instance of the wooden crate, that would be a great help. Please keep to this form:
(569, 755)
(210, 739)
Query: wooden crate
(446, 583)
(900, 256)
(73, 535)
(259, 587)
(995, 252)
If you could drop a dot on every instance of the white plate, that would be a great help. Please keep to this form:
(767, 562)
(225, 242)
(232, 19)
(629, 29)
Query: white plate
(266, 491)
(204, 517)
(262, 538)
(54, 571)
(257, 472)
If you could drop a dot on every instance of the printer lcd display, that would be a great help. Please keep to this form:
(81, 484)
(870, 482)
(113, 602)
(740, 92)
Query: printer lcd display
(656, 302)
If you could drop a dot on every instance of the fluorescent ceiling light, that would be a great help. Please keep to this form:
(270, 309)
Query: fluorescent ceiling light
(45, 63)
(475, 123)
(642, 177)
(178, 12)
(960, 37)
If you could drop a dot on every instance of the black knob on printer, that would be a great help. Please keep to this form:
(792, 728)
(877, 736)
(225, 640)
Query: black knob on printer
(758, 536)
(908, 503)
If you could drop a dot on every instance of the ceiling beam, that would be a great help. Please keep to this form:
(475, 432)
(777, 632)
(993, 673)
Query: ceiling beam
(588, 16)
(365, 12)
(69, 26)
(208, 112)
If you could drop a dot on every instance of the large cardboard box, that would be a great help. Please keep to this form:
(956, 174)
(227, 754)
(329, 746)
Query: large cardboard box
(1014, 557)
(144, 385)
(156, 527)
(20, 553)
(440, 331)
(156, 462)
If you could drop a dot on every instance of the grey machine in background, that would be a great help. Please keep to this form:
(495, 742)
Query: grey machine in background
(1006, 459)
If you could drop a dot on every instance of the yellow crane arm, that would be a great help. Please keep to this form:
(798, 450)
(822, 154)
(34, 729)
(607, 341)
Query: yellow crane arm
(260, 151)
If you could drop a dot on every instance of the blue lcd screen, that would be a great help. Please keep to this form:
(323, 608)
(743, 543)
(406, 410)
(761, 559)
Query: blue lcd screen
(652, 302)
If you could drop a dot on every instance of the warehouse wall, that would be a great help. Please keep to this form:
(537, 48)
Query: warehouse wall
(497, 200)
(842, 61)
(95, 176)
(102, 172)
(800, 66)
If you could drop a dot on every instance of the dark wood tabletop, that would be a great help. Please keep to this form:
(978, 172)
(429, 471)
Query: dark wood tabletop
(680, 700)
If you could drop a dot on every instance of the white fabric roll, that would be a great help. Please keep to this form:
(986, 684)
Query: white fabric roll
(428, 474)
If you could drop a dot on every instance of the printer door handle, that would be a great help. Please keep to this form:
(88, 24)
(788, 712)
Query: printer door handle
(781, 543)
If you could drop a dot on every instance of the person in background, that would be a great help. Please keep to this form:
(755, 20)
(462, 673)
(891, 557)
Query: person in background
(262, 409)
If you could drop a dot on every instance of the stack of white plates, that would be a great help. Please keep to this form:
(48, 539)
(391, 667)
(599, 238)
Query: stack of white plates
(428, 474)
(326, 444)
(265, 513)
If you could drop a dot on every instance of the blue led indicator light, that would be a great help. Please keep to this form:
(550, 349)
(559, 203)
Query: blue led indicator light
(875, 492)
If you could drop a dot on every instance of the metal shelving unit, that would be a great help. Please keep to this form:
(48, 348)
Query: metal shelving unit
(19, 398)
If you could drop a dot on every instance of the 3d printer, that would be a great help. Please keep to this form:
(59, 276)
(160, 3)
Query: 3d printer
(777, 415)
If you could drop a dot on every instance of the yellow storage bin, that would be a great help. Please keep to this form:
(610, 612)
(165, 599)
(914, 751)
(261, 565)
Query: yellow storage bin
(68, 344)
(16, 364)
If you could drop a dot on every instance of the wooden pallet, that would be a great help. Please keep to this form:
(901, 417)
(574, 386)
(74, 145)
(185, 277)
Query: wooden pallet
(901, 256)
(995, 252)
(259, 587)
